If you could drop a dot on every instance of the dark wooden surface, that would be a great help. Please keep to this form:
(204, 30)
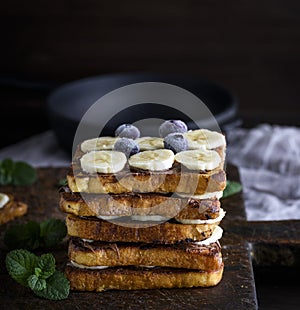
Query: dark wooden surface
(236, 290)
(273, 248)
(250, 47)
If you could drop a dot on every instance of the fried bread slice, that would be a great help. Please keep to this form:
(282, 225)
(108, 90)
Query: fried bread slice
(132, 179)
(132, 204)
(168, 181)
(136, 278)
(188, 255)
(165, 233)
(12, 209)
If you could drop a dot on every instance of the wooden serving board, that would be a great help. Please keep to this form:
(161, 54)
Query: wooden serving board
(235, 291)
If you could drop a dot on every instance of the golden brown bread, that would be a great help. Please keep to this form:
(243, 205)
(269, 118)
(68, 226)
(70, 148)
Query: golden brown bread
(166, 233)
(177, 179)
(189, 256)
(169, 181)
(138, 204)
(128, 247)
(133, 278)
(12, 209)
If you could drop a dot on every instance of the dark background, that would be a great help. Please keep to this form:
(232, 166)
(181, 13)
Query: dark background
(250, 47)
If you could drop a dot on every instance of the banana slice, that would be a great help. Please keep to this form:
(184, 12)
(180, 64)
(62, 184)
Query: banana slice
(87, 267)
(150, 218)
(199, 159)
(87, 240)
(107, 217)
(4, 199)
(97, 144)
(216, 235)
(203, 138)
(103, 161)
(156, 160)
(150, 143)
(209, 195)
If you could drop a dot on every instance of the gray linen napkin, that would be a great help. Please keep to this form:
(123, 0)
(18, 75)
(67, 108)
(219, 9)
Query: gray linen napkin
(268, 158)
(41, 150)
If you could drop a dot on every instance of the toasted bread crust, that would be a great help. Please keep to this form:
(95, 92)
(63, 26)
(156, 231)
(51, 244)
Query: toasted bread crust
(139, 278)
(12, 209)
(189, 256)
(138, 204)
(186, 182)
(177, 179)
(166, 233)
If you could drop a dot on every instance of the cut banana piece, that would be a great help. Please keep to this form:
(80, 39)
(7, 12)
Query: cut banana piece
(150, 143)
(150, 218)
(103, 161)
(204, 139)
(4, 199)
(199, 159)
(88, 240)
(216, 235)
(210, 195)
(97, 144)
(87, 267)
(107, 217)
(156, 160)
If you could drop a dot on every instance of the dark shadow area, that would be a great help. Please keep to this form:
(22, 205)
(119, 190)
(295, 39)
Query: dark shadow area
(277, 271)
(277, 287)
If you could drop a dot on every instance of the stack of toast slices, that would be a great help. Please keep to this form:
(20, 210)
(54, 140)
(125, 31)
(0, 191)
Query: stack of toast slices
(148, 221)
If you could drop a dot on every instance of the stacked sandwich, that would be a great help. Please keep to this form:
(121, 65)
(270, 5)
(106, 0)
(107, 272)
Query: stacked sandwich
(144, 213)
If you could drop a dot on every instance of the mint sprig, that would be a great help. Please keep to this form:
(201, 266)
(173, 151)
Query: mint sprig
(36, 283)
(23, 236)
(57, 287)
(45, 266)
(62, 182)
(37, 273)
(20, 265)
(33, 235)
(52, 231)
(16, 173)
(232, 188)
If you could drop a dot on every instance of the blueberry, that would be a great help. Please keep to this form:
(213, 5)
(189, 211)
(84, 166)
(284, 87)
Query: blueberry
(126, 146)
(176, 142)
(171, 126)
(127, 131)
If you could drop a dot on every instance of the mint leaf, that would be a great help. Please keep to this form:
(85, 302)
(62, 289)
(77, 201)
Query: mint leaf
(52, 232)
(57, 287)
(20, 265)
(232, 188)
(16, 173)
(46, 266)
(36, 283)
(23, 174)
(6, 168)
(23, 236)
(38, 273)
(32, 235)
(62, 182)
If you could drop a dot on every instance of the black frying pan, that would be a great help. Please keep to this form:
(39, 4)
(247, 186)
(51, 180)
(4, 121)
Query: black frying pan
(68, 103)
